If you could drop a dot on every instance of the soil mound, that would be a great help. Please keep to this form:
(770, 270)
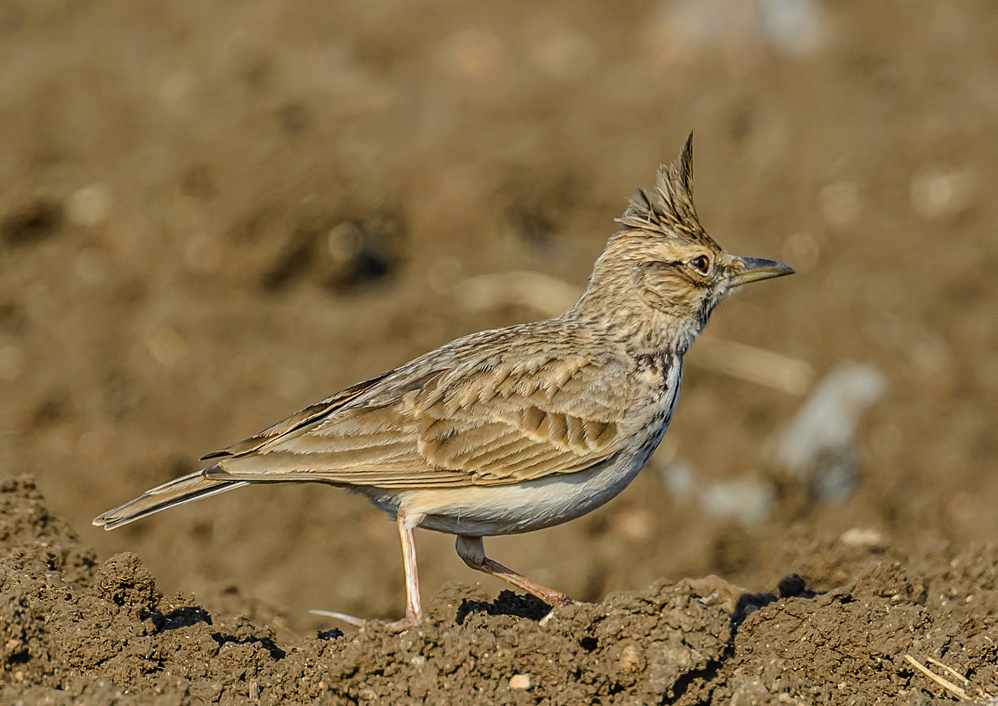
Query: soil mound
(75, 631)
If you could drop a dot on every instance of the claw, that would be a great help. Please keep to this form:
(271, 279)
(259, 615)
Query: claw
(345, 617)
(566, 601)
(394, 626)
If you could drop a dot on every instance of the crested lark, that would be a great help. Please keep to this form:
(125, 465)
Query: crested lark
(518, 428)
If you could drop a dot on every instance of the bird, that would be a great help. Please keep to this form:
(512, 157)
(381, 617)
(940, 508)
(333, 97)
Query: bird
(513, 429)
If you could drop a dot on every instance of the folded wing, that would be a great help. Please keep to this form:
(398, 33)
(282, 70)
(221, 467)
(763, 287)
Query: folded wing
(484, 424)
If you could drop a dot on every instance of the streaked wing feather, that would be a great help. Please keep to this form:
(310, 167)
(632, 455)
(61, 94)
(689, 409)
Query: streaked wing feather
(307, 416)
(476, 426)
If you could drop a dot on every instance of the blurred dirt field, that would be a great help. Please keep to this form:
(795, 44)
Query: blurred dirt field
(214, 214)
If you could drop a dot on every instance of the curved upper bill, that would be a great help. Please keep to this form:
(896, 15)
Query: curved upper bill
(757, 268)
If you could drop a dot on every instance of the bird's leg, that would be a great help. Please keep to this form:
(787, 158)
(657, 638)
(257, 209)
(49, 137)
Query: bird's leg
(413, 604)
(472, 550)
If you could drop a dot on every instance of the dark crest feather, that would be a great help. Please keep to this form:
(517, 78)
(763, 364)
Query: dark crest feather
(668, 209)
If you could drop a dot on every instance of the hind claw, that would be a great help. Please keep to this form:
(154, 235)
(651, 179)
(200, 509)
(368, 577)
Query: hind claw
(395, 626)
(345, 617)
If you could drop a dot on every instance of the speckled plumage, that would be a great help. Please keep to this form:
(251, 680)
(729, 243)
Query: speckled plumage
(518, 428)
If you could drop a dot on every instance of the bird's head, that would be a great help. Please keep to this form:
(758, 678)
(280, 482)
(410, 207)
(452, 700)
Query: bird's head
(662, 259)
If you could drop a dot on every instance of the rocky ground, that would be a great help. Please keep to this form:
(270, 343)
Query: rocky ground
(213, 215)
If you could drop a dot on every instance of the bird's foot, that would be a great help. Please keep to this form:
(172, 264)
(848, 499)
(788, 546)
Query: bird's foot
(394, 626)
(559, 601)
(403, 624)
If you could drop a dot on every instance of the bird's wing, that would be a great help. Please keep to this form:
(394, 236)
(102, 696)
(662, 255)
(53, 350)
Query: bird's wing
(489, 423)
(296, 421)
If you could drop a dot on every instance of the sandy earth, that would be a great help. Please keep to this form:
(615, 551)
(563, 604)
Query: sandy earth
(213, 215)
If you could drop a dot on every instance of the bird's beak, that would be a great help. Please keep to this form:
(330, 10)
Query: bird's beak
(756, 268)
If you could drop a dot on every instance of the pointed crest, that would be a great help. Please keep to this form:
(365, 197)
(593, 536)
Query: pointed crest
(668, 209)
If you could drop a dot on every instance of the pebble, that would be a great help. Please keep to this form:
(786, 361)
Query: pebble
(678, 478)
(89, 206)
(634, 524)
(745, 501)
(863, 538)
(631, 659)
(520, 682)
(938, 191)
(796, 27)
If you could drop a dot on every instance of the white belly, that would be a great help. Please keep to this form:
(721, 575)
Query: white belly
(509, 509)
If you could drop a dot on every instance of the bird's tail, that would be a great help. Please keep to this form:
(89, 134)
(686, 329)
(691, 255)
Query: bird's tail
(185, 489)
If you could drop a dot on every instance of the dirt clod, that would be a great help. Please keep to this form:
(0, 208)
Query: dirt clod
(123, 580)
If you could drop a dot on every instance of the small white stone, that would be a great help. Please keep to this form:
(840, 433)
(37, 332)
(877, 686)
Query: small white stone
(89, 206)
(678, 477)
(745, 500)
(635, 524)
(520, 682)
(795, 27)
(631, 659)
(863, 538)
(937, 191)
(344, 242)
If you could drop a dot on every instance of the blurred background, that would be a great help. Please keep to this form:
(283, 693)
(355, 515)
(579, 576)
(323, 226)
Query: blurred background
(214, 214)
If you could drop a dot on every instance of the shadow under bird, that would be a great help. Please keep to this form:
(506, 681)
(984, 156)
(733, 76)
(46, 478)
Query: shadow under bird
(518, 428)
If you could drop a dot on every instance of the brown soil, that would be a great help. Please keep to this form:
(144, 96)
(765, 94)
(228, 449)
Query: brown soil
(77, 632)
(211, 216)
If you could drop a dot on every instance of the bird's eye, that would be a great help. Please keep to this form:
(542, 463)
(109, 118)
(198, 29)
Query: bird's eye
(701, 263)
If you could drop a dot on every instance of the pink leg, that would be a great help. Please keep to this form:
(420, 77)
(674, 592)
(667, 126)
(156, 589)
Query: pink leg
(472, 550)
(413, 604)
